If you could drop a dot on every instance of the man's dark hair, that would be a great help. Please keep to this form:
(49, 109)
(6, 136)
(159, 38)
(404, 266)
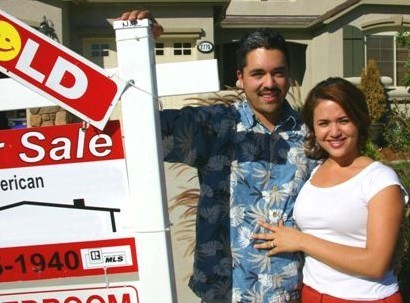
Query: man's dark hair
(260, 38)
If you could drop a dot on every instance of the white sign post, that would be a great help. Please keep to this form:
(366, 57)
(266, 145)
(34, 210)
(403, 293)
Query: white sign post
(144, 158)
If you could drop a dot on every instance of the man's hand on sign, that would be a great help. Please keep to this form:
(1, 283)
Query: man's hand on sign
(157, 28)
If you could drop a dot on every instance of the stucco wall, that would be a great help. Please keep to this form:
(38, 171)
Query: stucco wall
(280, 7)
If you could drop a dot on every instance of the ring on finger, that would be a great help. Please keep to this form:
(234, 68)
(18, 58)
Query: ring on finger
(272, 244)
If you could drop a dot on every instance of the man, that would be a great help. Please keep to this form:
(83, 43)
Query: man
(251, 164)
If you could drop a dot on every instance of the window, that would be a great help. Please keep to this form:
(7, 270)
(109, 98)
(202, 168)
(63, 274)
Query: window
(174, 50)
(99, 50)
(159, 49)
(390, 56)
(182, 49)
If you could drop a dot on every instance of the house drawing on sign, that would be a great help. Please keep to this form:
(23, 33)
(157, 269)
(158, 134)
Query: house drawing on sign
(26, 220)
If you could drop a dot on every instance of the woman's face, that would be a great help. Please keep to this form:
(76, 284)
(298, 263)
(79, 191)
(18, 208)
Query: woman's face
(335, 132)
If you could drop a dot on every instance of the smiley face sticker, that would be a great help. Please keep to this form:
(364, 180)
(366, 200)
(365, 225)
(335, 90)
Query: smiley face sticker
(10, 41)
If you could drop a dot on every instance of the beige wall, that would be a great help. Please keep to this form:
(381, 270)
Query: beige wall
(324, 58)
(280, 7)
(32, 12)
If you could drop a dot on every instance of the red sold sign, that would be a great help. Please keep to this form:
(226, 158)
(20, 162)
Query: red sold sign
(56, 72)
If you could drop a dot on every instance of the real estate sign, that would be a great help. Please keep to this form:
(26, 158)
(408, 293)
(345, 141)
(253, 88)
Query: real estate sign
(74, 213)
(64, 203)
(56, 72)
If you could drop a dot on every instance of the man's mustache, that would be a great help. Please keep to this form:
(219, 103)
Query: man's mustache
(274, 90)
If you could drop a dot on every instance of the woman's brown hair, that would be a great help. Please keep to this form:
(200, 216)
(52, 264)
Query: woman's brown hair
(349, 97)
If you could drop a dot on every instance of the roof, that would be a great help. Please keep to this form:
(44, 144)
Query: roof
(307, 21)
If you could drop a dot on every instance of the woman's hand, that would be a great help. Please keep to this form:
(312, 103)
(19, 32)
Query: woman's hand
(157, 29)
(281, 239)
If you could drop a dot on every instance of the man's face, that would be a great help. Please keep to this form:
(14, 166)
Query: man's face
(265, 81)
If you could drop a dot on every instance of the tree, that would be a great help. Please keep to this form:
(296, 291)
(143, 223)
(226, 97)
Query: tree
(374, 91)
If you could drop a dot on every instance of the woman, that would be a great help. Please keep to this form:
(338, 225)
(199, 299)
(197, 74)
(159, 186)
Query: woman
(349, 212)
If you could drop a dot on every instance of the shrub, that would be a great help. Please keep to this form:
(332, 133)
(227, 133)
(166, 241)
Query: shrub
(397, 132)
(374, 91)
(371, 150)
(403, 170)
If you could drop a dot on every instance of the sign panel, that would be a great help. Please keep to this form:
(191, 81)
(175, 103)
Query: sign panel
(56, 72)
(61, 260)
(117, 294)
(57, 145)
(72, 182)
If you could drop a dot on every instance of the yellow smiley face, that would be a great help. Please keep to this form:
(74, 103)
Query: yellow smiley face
(10, 42)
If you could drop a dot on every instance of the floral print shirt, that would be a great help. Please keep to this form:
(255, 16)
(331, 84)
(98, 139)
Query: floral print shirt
(246, 173)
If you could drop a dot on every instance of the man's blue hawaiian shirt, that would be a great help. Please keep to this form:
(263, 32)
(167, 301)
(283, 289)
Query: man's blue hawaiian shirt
(246, 174)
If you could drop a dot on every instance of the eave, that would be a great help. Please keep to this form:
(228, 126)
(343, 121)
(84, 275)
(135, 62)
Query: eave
(304, 22)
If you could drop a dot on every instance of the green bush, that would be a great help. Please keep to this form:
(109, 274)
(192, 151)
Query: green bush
(403, 170)
(397, 132)
(371, 150)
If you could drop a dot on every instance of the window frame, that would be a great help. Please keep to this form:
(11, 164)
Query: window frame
(102, 50)
(394, 49)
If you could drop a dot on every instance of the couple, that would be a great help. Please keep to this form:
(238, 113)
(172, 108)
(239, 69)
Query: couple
(274, 188)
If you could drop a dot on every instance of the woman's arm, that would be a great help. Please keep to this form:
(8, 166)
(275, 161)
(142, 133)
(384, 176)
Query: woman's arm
(384, 220)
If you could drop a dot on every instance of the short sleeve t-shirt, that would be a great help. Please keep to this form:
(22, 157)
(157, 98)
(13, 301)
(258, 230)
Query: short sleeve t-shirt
(339, 214)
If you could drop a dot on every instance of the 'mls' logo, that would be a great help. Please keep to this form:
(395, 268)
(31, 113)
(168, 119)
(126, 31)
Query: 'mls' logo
(47, 67)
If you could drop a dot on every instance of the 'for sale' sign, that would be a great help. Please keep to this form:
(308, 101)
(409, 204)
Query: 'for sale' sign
(71, 181)
(56, 72)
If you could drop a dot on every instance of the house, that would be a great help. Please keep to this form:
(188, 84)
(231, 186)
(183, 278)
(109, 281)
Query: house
(334, 37)
(326, 38)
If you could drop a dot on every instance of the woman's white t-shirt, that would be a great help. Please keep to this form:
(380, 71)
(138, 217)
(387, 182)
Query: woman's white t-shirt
(339, 214)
